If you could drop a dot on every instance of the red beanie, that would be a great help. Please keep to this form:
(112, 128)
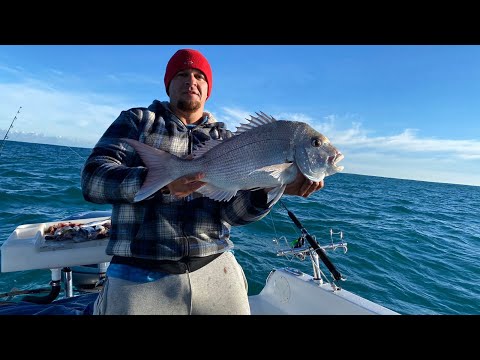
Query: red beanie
(188, 59)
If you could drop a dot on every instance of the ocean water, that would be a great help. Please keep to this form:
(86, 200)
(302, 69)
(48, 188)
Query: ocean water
(413, 246)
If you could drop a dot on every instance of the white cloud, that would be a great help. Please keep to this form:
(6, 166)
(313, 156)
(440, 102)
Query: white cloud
(232, 117)
(82, 117)
(11, 70)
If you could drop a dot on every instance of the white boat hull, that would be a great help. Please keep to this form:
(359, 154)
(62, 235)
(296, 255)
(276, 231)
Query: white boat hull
(292, 292)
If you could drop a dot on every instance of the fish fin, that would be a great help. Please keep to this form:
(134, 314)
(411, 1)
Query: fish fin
(275, 194)
(254, 122)
(319, 177)
(160, 168)
(208, 145)
(278, 171)
(216, 193)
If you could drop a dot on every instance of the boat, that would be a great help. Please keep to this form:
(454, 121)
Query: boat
(78, 269)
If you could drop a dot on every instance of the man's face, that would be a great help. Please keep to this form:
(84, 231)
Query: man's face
(188, 90)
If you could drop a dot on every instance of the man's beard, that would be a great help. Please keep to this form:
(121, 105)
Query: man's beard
(189, 106)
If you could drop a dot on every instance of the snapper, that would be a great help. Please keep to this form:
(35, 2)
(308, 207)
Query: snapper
(263, 153)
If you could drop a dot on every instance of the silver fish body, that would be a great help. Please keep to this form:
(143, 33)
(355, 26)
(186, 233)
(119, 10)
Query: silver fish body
(264, 153)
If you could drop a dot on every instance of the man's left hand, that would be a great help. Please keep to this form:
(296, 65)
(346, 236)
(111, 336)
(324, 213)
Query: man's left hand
(302, 186)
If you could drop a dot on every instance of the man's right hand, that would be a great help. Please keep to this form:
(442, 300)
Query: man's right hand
(186, 185)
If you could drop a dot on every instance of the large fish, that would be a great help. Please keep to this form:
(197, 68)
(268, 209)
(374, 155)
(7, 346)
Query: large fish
(264, 153)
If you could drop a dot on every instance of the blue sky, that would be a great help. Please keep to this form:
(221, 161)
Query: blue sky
(400, 111)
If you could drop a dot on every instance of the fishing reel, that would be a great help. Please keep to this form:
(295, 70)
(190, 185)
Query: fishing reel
(292, 249)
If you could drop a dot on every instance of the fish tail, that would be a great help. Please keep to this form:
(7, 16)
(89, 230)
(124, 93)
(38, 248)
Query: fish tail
(161, 165)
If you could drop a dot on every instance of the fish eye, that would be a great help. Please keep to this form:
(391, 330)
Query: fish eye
(316, 142)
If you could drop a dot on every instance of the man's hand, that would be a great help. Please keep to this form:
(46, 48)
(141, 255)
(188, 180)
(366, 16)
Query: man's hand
(302, 186)
(186, 185)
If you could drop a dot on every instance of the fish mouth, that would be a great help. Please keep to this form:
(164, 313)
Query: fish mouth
(334, 160)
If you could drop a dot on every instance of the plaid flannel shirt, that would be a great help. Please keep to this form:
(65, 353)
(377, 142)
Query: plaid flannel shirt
(162, 227)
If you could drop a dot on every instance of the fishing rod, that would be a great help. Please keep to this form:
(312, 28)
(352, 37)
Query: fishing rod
(314, 244)
(11, 126)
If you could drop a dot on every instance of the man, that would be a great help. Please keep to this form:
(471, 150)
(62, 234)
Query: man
(171, 251)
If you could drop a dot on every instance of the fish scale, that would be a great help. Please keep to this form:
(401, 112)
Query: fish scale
(264, 153)
(242, 168)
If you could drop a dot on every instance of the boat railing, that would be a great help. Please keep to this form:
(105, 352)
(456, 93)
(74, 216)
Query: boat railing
(301, 249)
